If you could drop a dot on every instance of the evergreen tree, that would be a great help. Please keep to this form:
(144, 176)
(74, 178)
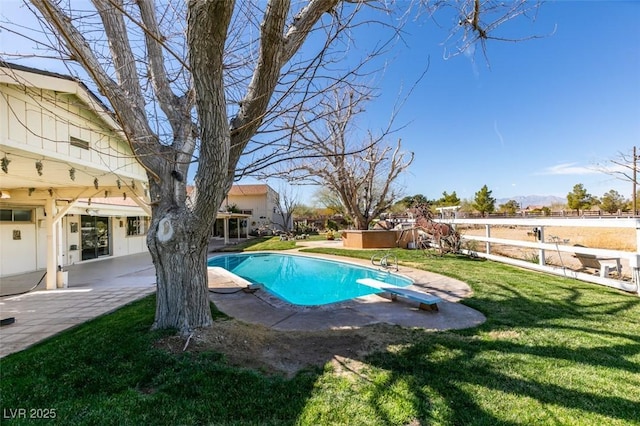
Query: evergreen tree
(579, 199)
(612, 201)
(449, 199)
(484, 202)
(510, 207)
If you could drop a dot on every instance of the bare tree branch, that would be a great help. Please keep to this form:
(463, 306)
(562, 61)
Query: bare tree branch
(136, 126)
(222, 79)
(361, 173)
(622, 166)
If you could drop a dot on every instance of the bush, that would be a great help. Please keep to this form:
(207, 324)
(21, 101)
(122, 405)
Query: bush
(331, 225)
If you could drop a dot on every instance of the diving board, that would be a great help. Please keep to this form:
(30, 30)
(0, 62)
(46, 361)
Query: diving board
(427, 301)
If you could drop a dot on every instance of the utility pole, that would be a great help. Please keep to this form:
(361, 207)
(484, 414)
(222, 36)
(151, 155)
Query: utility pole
(635, 180)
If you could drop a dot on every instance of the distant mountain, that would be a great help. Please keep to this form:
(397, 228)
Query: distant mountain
(533, 200)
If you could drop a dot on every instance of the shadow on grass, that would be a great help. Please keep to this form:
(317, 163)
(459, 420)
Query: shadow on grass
(561, 343)
(471, 390)
(552, 351)
(108, 371)
(539, 359)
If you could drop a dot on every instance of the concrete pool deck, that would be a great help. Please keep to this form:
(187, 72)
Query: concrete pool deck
(95, 288)
(103, 286)
(262, 308)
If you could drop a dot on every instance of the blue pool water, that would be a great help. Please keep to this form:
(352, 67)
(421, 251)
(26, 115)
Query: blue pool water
(303, 280)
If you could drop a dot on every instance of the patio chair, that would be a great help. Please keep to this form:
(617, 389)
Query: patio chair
(604, 265)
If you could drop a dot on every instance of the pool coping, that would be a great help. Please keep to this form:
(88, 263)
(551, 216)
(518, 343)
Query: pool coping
(260, 307)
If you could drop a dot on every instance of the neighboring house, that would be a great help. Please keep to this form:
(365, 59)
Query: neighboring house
(71, 190)
(259, 203)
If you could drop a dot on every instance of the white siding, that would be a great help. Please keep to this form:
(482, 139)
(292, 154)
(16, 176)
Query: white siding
(17, 255)
(16, 118)
(124, 245)
(37, 124)
(53, 119)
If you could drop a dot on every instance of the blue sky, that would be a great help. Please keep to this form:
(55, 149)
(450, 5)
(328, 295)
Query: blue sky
(532, 118)
(536, 116)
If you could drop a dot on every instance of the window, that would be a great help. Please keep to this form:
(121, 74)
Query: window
(22, 215)
(79, 143)
(137, 225)
(15, 215)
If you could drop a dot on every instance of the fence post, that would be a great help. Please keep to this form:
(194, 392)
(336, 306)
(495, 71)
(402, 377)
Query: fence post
(487, 228)
(541, 259)
(634, 261)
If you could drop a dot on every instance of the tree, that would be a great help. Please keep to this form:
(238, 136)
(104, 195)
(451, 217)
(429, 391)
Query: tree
(412, 200)
(206, 100)
(194, 82)
(466, 206)
(305, 211)
(286, 204)
(556, 207)
(633, 203)
(449, 199)
(301, 215)
(624, 166)
(510, 207)
(483, 202)
(328, 199)
(579, 199)
(361, 174)
(612, 202)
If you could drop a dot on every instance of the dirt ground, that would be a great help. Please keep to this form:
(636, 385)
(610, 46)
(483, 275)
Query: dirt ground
(604, 238)
(285, 353)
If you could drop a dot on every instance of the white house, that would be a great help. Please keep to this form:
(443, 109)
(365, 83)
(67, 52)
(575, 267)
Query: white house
(71, 190)
(259, 202)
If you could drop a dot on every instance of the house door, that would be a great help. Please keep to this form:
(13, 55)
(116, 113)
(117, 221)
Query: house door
(95, 236)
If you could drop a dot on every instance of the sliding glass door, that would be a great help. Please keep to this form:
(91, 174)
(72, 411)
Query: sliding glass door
(95, 237)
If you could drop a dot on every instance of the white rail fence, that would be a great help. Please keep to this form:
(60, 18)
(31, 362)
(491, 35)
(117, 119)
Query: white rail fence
(555, 245)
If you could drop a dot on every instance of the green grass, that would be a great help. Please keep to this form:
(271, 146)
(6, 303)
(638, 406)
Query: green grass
(260, 243)
(553, 351)
(267, 243)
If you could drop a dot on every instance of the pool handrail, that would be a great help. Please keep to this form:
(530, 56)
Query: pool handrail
(384, 260)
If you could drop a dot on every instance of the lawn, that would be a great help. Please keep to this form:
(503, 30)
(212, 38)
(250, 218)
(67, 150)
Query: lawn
(266, 243)
(553, 351)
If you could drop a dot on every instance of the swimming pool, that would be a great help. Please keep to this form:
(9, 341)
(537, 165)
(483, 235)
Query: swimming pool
(303, 280)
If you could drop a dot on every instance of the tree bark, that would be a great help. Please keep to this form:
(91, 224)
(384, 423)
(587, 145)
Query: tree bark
(182, 300)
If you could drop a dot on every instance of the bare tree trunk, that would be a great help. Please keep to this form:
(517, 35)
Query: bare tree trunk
(179, 256)
(182, 298)
(359, 221)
